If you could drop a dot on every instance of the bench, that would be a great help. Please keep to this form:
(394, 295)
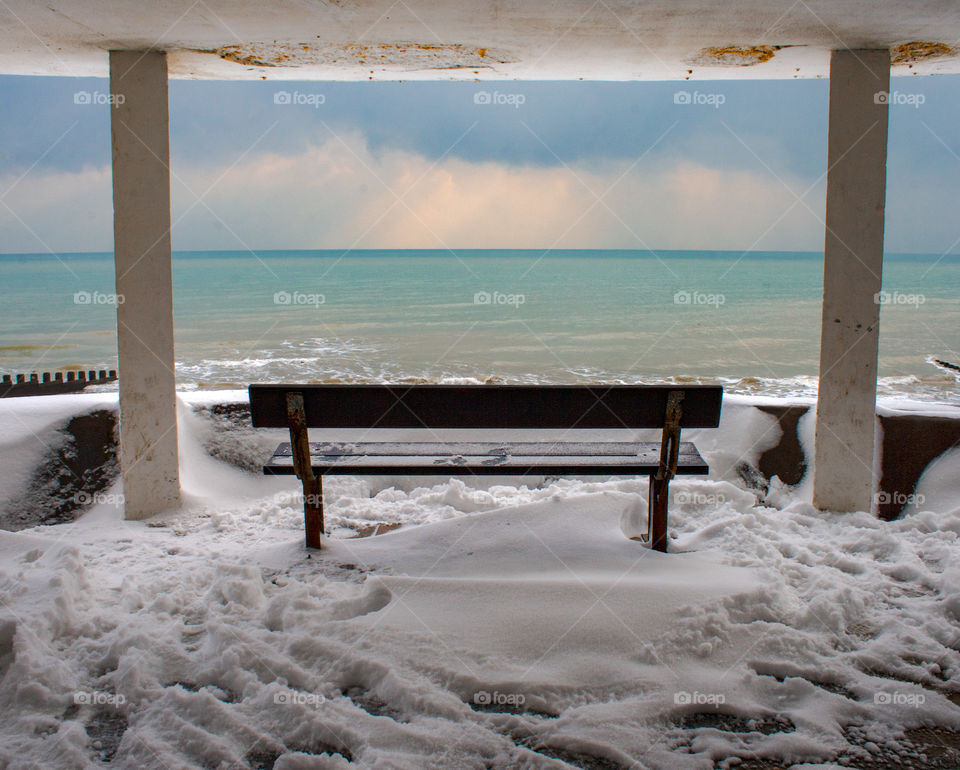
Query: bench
(439, 407)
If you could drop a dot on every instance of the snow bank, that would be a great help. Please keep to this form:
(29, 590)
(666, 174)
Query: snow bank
(30, 432)
(498, 627)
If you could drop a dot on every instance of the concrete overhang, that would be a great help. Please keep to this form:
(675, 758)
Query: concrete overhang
(484, 39)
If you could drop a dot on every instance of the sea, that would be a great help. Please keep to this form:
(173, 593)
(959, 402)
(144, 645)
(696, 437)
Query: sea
(750, 321)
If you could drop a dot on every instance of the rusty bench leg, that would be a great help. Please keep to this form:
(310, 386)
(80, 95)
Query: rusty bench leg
(657, 526)
(313, 512)
(660, 483)
(312, 485)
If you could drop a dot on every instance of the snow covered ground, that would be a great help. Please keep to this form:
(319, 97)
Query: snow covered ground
(498, 627)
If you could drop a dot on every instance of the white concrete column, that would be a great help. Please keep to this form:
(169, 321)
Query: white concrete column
(141, 237)
(853, 259)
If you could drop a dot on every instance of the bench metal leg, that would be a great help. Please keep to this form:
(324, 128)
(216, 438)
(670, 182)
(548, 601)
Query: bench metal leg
(312, 485)
(660, 483)
(313, 512)
(657, 522)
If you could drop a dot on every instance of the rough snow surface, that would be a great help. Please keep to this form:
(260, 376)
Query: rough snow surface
(498, 627)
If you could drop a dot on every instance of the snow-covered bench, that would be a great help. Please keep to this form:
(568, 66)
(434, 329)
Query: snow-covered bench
(502, 407)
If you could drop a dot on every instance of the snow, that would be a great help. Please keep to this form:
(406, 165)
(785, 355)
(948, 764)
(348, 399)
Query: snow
(27, 424)
(500, 626)
(939, 487)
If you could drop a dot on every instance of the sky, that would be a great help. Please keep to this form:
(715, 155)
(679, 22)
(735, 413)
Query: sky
(267, 165)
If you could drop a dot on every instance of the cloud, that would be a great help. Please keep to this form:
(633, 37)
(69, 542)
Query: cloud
(341, 194)
(58, 211)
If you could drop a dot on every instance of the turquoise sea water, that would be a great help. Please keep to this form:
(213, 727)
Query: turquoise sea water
(751, 320)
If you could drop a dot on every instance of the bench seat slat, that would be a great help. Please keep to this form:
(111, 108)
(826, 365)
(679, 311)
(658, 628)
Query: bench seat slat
(513, 448)
(487, 458)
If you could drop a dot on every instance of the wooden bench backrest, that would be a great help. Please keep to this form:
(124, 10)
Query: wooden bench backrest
(485, 406)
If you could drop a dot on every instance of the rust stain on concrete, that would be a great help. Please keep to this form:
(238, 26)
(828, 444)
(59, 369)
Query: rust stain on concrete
(236, 53)
(402, 56)
(737, 55)
(918, 51)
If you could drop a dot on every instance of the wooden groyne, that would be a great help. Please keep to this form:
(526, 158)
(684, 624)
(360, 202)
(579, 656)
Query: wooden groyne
(53, 383)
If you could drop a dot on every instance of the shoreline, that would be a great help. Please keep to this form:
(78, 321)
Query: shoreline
(886, 406)
(934, 390)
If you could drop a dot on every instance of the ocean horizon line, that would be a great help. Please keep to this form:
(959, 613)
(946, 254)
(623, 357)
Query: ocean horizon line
(474, 252)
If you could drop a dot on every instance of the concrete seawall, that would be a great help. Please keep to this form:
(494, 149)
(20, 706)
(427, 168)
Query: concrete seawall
(909, 443)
